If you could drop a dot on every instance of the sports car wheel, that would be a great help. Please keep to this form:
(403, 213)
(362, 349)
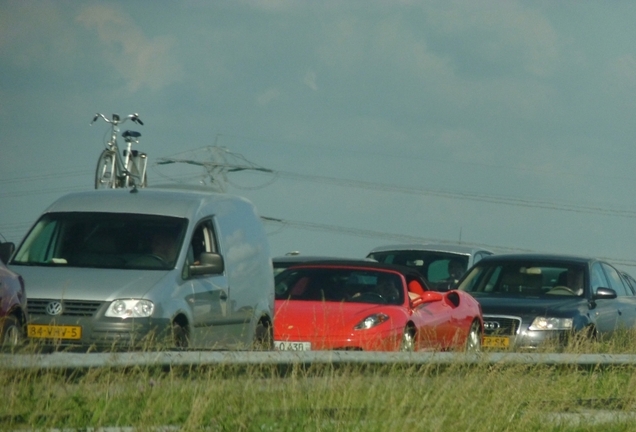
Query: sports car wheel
(473, 339)
(408, 340)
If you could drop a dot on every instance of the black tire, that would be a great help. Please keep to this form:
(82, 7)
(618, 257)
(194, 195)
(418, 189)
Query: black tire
(407, 344)
(473, 338)
(263, 337)
(106, 171)
(12, 332)
(179, 336)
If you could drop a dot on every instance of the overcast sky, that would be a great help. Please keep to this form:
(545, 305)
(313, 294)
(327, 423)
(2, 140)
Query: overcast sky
(510, 124)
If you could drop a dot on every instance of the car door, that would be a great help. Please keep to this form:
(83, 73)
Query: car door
(604, 312)
(626, 302)
(210, 294)
(433, 317)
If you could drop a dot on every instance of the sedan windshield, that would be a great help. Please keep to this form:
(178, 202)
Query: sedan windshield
(525, 279)
(103, 240)
(340, 285)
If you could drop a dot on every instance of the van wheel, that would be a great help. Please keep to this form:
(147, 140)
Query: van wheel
(263, 337)
(12, 333)
(179, 336)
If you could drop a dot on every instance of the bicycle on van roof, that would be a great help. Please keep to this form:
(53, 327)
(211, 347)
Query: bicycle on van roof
(125, 170)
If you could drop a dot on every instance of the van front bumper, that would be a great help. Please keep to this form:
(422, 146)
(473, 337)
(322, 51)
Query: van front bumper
(99, 333)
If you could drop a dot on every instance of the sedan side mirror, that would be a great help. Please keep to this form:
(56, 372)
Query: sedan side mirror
(604, 293)
(210, 263)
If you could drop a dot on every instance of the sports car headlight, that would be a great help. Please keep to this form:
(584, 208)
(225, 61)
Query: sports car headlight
(134, 308)
(371, 321)
(546, 323)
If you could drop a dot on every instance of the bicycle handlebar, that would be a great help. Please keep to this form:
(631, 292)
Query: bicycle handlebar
(115, 120)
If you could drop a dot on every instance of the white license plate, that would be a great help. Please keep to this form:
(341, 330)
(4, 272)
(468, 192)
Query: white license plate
(292, 346)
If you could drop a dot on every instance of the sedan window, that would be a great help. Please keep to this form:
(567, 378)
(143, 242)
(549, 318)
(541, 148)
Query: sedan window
(630, 282)
(615, 281)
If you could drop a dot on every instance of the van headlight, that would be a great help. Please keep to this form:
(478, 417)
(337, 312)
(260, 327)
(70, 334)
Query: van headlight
(131, 308)
(371, 321)
(548, 323)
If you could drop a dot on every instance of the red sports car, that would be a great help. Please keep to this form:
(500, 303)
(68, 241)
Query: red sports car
(361, 305)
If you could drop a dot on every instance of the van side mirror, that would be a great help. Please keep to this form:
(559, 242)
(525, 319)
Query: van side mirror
(604, 293)
(6, 250)
(210, 263)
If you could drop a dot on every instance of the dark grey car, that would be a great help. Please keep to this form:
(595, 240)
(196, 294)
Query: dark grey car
(528, 299)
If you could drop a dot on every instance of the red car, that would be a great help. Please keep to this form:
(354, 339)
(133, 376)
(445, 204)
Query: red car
(361, 305)
(12, 302)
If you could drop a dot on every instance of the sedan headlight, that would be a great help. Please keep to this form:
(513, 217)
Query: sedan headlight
(546, 323)
(131, 308)
(371, 321)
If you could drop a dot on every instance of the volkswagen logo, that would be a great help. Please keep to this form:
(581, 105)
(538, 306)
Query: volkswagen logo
(54, 308)
(491, 325)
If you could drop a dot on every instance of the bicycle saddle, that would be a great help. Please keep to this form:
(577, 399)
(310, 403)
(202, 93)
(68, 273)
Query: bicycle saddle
(131, 134)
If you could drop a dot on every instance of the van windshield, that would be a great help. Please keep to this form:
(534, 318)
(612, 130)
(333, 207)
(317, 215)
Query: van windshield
(103, 240)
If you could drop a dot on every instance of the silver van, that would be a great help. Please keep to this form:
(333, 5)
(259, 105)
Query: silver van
(121, 268)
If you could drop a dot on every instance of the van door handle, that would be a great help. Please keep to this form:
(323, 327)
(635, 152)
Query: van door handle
(223, 295)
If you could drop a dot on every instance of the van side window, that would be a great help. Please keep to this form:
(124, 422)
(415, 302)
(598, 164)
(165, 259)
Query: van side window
(203, 240)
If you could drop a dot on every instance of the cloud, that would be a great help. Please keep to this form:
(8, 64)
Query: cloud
(310, 80)
(141, 61)
(268, 96)
(499, 31)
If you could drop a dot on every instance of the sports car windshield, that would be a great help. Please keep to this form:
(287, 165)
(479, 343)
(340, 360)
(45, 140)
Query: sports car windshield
(103, 240)
(340, 285)
(525, 279)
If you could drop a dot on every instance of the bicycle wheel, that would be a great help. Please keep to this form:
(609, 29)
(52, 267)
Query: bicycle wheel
(105, 175)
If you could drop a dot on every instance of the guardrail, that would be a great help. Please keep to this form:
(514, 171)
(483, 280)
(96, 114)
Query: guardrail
(62, 360)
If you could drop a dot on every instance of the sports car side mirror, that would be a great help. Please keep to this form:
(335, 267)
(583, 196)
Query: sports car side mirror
(432, 296)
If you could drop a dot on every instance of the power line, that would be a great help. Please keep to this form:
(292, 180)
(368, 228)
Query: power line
(518, 202)
(48, 176)
(17, 194)
(394, 155)
(406, 238)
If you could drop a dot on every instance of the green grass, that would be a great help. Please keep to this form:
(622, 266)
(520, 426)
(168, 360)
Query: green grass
(324, 398)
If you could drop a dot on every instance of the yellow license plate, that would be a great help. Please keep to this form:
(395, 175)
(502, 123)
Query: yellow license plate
(54, 332)
(495, 342)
